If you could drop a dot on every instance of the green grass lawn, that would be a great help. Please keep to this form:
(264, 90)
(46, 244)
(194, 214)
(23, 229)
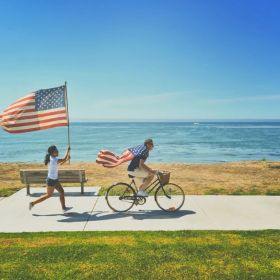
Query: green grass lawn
(141, 255)
(7, 192)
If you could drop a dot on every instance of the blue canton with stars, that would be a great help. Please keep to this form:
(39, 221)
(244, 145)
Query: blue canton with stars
(47, 99)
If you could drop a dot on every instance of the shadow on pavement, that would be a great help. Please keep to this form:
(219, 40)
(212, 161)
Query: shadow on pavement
(56, 194)
(140, 215)
(71, 217)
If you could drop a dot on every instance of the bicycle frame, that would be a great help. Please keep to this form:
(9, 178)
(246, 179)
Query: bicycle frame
(154, 185)
(127, 193)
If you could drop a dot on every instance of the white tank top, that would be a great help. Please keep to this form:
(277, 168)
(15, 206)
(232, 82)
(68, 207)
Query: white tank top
(53, 168)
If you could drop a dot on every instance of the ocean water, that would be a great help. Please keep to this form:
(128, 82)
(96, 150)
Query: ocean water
(189, 142)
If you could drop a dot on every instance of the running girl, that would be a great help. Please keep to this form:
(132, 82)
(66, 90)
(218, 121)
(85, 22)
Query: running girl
(52, 180)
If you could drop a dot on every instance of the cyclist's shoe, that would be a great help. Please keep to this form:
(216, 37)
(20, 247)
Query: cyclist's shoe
(142, 193)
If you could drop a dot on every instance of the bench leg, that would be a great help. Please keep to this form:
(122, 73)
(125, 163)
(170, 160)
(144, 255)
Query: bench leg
(82, 188)
(27, 189)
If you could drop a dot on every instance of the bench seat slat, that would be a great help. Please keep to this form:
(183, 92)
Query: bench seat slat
(38, 176)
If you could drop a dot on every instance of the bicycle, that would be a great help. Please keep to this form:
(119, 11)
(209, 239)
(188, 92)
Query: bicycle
(169, 197)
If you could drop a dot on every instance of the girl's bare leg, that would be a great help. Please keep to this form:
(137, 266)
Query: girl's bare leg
(60, 189)
(49, 193)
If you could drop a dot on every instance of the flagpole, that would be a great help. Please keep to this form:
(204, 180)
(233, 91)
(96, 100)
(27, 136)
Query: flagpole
(67, 112)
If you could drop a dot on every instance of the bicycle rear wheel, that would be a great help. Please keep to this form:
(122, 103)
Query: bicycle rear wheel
(120, 197)
(170, 197)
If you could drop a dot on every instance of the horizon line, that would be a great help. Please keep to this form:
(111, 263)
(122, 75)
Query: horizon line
(180, 120)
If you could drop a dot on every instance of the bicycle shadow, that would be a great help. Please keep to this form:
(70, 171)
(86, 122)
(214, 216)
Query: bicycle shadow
(140, 215)
(72, 217)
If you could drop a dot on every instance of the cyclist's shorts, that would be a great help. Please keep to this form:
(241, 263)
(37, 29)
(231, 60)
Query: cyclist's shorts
(139, 173)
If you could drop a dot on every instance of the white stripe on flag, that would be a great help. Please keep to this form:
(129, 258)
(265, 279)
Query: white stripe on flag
(37, 125)
(34, 119)
(28, 107)
(22, 103)
(35, 113)
(21, 99)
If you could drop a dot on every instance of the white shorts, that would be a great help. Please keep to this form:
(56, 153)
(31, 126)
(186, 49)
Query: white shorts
(139, 173)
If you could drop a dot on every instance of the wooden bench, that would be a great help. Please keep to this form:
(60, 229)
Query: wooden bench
(38, 176)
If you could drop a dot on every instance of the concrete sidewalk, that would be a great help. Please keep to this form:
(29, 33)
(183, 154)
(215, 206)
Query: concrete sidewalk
(90, 212)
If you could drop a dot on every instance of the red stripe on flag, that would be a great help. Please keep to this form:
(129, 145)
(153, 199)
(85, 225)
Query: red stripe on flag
(38, 115)
(20, 106)
(107, 158)
(18, 112)
(105, 152)
(26, 98)
(22, 99)
(36, 122)
(37, 128)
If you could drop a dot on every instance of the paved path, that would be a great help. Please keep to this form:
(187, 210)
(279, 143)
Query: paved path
(90, 212)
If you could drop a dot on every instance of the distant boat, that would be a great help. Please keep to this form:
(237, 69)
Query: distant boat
(196, 123)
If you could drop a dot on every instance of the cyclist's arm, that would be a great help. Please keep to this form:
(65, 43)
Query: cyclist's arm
(142, 165)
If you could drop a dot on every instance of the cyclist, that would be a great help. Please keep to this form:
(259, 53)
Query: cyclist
(137, 167)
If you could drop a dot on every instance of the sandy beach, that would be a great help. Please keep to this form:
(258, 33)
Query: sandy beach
(246, 177)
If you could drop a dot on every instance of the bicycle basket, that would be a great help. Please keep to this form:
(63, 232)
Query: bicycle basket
(164, 177)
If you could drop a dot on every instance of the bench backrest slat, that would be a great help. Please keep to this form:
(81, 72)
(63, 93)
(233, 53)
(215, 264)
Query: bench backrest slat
(38, 176)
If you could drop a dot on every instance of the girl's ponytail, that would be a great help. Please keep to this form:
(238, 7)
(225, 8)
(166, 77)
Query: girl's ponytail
(51, 149)
(47, 159)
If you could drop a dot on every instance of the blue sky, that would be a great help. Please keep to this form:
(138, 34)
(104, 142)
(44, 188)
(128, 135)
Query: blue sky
(145, 59)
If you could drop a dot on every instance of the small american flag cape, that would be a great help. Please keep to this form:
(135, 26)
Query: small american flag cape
(109, 159)
(42, 109)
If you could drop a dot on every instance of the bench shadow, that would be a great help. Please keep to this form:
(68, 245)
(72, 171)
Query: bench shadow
(71, 217)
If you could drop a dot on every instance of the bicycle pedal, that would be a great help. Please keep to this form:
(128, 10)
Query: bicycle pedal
(140, 200)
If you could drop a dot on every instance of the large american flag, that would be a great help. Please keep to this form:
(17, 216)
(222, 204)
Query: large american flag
(42, 109)
(109, 159)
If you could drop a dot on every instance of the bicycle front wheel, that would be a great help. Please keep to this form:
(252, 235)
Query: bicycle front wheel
(120, 197)
(170, 197)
